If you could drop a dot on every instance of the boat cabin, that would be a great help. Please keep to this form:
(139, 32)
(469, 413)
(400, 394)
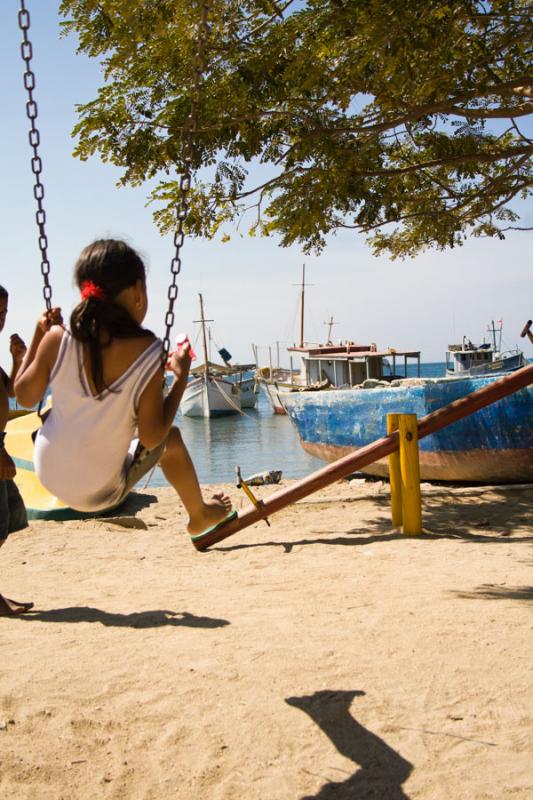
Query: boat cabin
(350, 364)
(462, 358)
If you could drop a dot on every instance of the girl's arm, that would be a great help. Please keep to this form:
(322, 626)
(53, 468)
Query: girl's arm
(156, 412)
(34, 375)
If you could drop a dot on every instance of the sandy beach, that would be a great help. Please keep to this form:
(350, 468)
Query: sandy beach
(325, 657)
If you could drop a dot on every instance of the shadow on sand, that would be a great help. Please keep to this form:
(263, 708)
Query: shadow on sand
(382, 770)
(490, 591)
(443, 517)
(141, 619)
(135, 501)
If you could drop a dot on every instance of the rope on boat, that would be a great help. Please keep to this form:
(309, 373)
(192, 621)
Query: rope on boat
(230, 401)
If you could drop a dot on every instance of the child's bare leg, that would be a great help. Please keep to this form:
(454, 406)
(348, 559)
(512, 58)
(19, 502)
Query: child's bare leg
(10, 608)
(180, 473)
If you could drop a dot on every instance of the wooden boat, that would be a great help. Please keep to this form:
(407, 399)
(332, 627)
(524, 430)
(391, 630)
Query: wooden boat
(210, 395)
(494, 445)
(468, 359)
(273, 381)
(338, 366)
(216, 390)
(249, 389)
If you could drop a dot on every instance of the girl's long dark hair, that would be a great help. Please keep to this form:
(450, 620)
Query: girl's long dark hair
(113, 266)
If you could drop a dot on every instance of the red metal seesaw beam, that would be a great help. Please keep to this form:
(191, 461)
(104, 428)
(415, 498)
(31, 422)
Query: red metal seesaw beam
(367, 455)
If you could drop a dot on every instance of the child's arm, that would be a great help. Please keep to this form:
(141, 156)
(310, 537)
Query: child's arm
(34, 375)
(18, 351)
(156, 412)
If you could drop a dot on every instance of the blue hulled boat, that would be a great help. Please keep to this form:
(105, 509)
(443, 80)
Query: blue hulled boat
(494, 445)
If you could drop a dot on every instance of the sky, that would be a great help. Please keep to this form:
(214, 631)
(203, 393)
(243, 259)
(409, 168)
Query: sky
(249, 285)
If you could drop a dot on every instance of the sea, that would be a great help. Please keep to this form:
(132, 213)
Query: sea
(256, 442)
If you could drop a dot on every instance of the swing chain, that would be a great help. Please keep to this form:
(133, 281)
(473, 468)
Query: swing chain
(185, 178)
(26, 51)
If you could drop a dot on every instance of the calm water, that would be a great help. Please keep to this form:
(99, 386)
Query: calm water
(260, 441)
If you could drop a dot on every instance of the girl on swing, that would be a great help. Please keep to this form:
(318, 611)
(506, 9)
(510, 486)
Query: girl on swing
(110, 421)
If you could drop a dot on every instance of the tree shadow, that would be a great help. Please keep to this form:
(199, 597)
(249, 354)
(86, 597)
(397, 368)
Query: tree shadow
(489, 591)
(382, 770)
(139, 619)
(471, 518)
(498, 511)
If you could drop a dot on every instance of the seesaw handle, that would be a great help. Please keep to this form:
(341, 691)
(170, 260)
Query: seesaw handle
(526, 328)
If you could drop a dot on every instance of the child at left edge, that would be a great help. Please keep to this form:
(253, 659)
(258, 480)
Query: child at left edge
(12, 511)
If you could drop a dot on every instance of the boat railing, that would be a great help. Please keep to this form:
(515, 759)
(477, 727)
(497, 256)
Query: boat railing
(513, 351)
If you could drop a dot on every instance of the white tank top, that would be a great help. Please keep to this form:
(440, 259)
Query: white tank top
(81, 452)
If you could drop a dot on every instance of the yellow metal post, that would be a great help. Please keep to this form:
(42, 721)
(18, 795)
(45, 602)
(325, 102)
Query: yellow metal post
(395, 477)
(410, 475)
(241, 484)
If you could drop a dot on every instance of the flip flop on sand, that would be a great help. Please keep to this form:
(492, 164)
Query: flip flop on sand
(196, 537)
(11, 608)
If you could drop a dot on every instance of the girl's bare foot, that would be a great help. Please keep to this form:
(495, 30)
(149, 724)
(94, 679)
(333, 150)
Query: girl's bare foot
(10, 608)
(213, 511)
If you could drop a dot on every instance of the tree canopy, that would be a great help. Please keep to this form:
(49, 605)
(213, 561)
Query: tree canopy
(404, 121)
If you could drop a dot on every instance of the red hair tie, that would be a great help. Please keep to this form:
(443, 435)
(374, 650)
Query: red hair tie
(90, 289)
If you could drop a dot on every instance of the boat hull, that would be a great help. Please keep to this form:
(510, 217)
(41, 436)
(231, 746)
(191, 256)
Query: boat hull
(272, 393)
(494, 445)
(248, 388)
(214, 397)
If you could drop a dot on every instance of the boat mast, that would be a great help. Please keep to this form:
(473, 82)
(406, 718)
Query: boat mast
(302, 309)
(203, 320)
(493, 331)
(302, 304)
(330, 325)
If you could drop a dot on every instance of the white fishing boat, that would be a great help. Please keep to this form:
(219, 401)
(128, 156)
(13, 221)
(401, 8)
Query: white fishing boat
(215, 390)
(248, 386)
(210, 395)
(467, 359)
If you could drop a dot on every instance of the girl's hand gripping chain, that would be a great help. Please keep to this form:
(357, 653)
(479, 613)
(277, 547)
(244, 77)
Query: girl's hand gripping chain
(50, 317)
